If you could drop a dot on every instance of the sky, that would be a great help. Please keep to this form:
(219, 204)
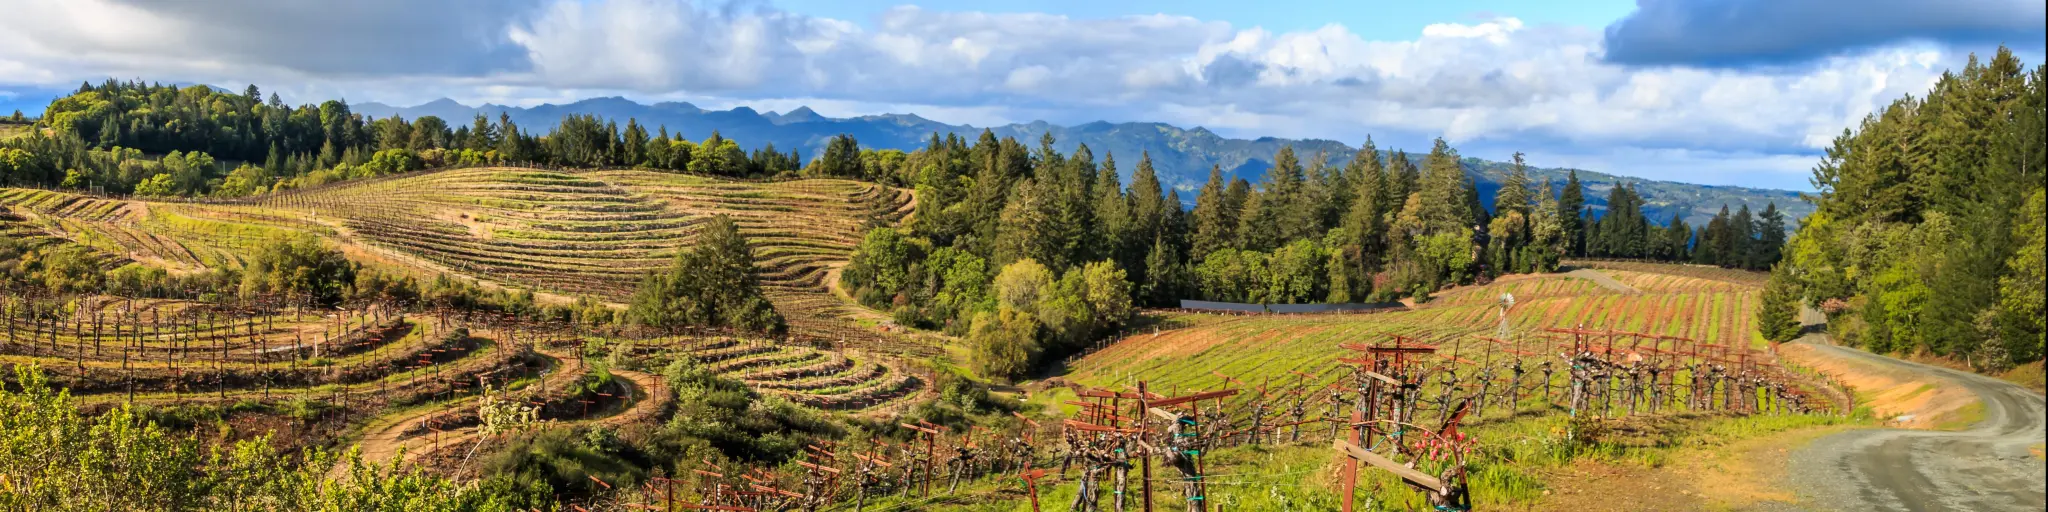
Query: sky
(1727, 92)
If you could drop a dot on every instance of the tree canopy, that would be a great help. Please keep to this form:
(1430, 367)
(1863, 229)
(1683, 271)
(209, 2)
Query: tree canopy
(711, 284)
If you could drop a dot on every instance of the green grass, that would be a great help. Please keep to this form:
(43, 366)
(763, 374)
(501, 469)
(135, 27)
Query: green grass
(1507, 471)
(1962, 418)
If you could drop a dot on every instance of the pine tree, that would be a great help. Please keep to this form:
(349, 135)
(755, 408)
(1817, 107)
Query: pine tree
(1258, 226)
(1721, 237)
(1677, 239)
(1365, 226)
(1215, 221)
(511, 144)
(1113, 226)
(633, 150)
(1025, 229)
(1777, 317)
(1148, 208)
(1546, 232)
(1770, 240)
(1309, 214)
(1569, 202)
(1445, 208)
(482, 136)
(1404, 179)
(1166, 279)
(1513, 195)
(1742, 236)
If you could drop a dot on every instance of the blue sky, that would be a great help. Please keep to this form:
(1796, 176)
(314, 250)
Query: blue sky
(1741, 92)
(1376, 19)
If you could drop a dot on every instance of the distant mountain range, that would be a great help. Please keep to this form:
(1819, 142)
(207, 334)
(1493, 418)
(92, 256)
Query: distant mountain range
(1181, 156)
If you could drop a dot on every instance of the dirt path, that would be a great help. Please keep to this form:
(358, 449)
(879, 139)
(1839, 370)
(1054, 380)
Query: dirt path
(1602, 279)
(382, 443)
(1987, 467)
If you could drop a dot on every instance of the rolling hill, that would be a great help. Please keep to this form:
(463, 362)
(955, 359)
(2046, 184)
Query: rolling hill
(1182, 156)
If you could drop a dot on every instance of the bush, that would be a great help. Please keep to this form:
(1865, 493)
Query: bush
(56, 458)
(301, 267)
(724, 414)
(1005, 343)
(563, 460)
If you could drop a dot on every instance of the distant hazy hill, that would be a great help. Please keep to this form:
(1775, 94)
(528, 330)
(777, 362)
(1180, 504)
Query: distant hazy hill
(1182, 156)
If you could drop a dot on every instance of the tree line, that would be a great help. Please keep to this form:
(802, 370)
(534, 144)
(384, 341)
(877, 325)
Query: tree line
(167, 140)
(1380, 227)
(1929, 232)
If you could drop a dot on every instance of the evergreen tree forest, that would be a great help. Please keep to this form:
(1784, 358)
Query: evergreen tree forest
(166, 140)
(1929, 232)
(1019, 248)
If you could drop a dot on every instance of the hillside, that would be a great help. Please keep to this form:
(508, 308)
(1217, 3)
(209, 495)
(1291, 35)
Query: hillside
(1182, 156)
(561, 234)
(1718, 310)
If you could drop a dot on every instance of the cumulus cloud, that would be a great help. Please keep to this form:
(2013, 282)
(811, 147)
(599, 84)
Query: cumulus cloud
(1497, 83)
(1736, 33)
(360, 37)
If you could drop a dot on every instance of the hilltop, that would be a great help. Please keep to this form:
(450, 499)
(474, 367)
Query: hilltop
(1183, 156)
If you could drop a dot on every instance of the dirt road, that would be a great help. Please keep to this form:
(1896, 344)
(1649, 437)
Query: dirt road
(1602, 279)
(1987, 467)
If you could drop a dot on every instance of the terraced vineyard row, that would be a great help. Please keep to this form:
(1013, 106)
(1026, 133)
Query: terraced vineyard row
(825, 379)
(1260, 347)
(1720, 317)
(572, 233)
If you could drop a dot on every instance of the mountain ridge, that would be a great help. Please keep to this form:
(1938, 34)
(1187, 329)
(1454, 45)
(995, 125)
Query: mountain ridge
(1182, 156)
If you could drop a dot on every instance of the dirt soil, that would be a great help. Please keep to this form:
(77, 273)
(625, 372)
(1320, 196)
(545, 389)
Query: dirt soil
(1602, 279)
(1745, 475)
(1987, 467)
(1908, 398)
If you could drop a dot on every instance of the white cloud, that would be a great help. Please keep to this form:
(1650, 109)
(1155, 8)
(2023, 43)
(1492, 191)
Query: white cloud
(1494, 82)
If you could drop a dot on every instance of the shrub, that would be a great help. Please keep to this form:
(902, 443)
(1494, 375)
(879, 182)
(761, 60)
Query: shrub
(299, 266)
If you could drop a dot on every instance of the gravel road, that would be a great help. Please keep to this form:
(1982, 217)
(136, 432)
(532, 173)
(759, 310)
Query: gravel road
(1985, 468)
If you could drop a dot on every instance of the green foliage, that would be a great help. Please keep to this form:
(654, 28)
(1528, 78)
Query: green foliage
(59, 267)
(721, 418)
(2020, 314)
(102, 132)
(299, 266)
(713, 283)
(244, 181)
(562, 460)
(842, 159)
(59, 459)
(1005, 343)
(1445, 257)
(156, 186)
(1916, 246)
(1023, 285)
(1777, 318)
(390, 161)
(1232, 275)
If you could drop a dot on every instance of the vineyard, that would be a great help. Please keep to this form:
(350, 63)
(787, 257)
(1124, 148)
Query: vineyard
(1393, 411)
(1415, 405)
(1258, 347)
(563, 234)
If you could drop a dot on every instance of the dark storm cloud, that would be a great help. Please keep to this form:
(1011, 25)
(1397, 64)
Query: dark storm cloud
(1230, 71)
(1739, 33)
